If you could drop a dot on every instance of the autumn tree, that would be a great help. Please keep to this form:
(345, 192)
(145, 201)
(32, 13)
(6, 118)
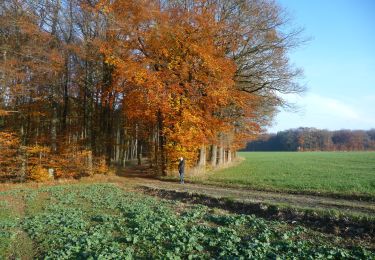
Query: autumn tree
(258, 37)
(91, 84)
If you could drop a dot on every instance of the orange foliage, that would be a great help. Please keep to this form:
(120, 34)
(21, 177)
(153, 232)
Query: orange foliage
(116, 78)
(101, 167)
(173, 67)
(37, 160)
(9, 159)
(38, 174)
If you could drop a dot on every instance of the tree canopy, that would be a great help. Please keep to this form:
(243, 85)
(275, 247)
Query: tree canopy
(89, 84)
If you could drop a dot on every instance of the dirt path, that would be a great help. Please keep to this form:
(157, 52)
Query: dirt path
(252, 196)
(308, 210)
(143, 177)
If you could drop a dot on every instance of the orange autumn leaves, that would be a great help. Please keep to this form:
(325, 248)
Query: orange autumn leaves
(173, 71)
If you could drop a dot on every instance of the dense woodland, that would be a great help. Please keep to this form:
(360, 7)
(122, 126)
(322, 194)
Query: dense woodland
(90, 84)
(312, 139)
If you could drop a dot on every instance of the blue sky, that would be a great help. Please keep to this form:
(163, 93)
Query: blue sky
(338, 64)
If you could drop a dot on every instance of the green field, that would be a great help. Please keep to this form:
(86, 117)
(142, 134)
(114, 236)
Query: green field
(104, 221)
(349, 173)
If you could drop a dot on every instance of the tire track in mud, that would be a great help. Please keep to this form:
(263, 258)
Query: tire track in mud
(294, 209)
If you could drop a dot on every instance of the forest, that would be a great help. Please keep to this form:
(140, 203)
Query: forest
(87, 85)
(312, 139)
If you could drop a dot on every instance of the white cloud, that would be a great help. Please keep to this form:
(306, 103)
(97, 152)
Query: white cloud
(331, 107)
(327, 113)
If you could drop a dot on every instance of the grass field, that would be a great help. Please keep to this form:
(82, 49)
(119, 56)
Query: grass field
(344, 173)
(104, 221)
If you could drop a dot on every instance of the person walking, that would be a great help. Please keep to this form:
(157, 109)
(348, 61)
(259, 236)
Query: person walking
(181, 169)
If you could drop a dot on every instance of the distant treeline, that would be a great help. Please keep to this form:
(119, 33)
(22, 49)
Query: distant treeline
(312, 139)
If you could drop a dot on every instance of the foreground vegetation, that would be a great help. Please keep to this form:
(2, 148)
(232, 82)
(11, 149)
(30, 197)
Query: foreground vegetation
(343, 173)
(78, 222)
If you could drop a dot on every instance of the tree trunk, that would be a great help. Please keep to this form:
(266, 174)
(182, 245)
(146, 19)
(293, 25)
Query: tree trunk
(117, 147)
(66, 95)
(4, 75)
(229, 156)
(202, 156)
(54, 129)
(161, 145)
(221, 156)
(23, 165)
(156, 145)
(89, 164)
(213, 155)
(139, 155)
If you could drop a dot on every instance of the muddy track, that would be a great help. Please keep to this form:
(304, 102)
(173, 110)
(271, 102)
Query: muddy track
(308, 210)
(295, 209)
(252, 196)
(362, 229)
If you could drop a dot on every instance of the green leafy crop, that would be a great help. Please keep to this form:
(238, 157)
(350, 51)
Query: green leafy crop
(103, 221)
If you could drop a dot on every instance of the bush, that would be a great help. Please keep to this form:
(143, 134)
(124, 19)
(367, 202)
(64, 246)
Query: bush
(101, 167)
(38, 174)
